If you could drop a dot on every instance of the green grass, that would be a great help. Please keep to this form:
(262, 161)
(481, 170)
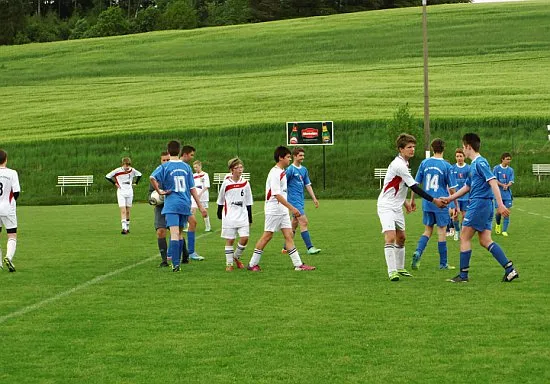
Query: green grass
(486, 61)
(92, 320)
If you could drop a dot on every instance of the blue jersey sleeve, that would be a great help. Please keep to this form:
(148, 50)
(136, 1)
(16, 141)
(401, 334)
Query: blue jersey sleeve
(306, 177)
(483, 169)
(420, 174)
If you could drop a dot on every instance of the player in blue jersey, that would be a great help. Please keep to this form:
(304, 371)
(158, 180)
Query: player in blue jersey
(483, 187)
(505, 178)
(297, 178)
(436, 177)
(461, 170)
(160, 221)
(174, 179)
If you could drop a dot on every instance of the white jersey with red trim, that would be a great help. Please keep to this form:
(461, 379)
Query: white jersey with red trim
(9, 184)
(124, 179)
(275, 185)
(202, 181)
(394, 191)
(235, 196)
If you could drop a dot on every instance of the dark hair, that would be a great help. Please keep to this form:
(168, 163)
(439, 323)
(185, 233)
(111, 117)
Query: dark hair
(505, 155)
(473, 140)
(187, 149)
(232, 163)
(459, 150)
(404, 139)
(174, 148)
(164, 153)
(296, 151)
(280, 152)
(3, 156)
(438, 145)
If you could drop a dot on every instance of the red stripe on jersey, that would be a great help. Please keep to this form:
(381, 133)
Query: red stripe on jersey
(394, 183)
(268, 195)
(123, 173)
(233, 186)
(198, 176)
(11, 196)
(225, 207)
(282, 175)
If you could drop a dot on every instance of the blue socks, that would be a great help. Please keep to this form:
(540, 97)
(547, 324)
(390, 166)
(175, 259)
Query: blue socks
(465, 263)
(307, 239)
(174, 252)
(191, 241)
(442, 248)
(505, 224)
(422, 243)
(499, 255)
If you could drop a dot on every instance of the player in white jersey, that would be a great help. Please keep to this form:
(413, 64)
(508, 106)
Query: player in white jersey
(9, 192)
(202, 183)
(124, 178)
(277, 213)
(390, 204)
(235, 212)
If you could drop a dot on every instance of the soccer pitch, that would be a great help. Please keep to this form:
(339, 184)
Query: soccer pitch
(89, 305)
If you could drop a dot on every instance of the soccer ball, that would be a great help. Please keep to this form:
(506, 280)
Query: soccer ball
(156, 199)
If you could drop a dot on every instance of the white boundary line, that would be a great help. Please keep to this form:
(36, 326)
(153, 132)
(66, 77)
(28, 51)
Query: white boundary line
(95, 280)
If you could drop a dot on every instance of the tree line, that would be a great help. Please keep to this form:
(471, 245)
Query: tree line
(26, 21)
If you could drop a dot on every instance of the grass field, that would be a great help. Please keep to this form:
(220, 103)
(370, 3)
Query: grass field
(486, 61)
(89, 305)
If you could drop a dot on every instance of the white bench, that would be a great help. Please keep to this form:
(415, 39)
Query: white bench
(380, 174)
(541, 170)
(219, 177)
(75, 181)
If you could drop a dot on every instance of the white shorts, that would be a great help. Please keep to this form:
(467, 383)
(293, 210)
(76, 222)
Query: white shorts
(391, 220)
(273, 223)
(231, 233)
(194, 204)
(124, 200)
(9, 221)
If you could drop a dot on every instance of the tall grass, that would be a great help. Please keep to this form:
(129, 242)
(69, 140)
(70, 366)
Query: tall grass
(360, 146)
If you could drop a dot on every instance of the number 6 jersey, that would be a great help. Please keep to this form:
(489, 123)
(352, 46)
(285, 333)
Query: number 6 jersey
(235, 196)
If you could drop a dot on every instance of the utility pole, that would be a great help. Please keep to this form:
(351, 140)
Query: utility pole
(426, 88)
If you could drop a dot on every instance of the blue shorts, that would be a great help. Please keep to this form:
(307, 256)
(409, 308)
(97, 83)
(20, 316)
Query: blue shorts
(299, 206)
(479, 215)
(175, 220)
(462, 205)
(507, 203)
(432, 218)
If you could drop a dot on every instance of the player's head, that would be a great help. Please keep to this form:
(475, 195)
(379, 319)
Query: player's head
(164, 157)
(187, 153)
(298, 154)
(197, 166)
(438, 145)
(282, 154)
(459, 156)
(3, 157)
(126, 162)
(470, 142)
(174, 148)
(405, 139)
(235, 166)
(506, 158)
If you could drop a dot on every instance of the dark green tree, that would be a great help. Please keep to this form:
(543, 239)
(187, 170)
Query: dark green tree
(12, 19)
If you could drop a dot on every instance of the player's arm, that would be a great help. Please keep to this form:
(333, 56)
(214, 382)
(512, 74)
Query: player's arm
(426, 196)
(309, 190)
(195, 195)
(502, 210)
(137, 179)
(220, 211)
(290, 207)
(110, 180)
(461, 192)
(15, 195)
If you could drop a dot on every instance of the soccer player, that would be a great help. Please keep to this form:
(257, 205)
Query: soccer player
(390, 205)
(297, 178)
(9, 192)
(176, 179)
(202, 183)
(505, 178)
(483, 187)
(436, 177)
(160, 220)
(187, 155)
(461, 170)
(277, 213)
(235, 212)
(123, 179)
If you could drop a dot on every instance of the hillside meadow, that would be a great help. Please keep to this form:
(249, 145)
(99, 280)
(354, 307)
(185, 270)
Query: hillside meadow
(76, 107)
